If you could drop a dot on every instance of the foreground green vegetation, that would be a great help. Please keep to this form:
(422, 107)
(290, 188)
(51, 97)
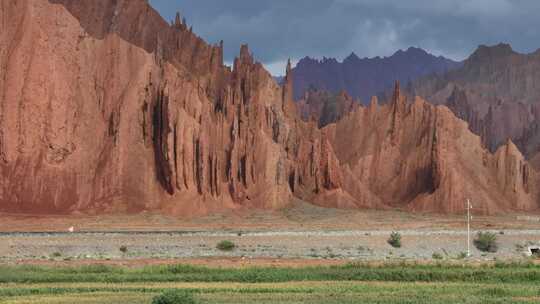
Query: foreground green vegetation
(390, 283)
(174, 296)
(397, 272)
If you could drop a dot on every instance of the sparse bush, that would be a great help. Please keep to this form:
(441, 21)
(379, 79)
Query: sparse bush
(462, 255)
(437, 256)
(486, 241)
(226, 246)
(123, 249)
(174, 297)
(56, 254)
(395, 239)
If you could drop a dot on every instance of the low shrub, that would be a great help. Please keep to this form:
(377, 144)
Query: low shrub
(226, 246)
(437, 256)
(123, 249)
(486, 241)
(395, 239)
(174, 297)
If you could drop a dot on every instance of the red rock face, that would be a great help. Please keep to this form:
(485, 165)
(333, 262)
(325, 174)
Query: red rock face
(107, 108)
(420, 157)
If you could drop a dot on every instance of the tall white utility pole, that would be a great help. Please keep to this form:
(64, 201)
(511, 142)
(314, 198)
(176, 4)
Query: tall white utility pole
(468, 228)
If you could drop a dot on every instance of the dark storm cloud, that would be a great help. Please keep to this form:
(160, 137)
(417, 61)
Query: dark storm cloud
(278, 29)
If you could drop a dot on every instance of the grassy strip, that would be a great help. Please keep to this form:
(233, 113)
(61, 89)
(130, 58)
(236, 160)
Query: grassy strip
(19, 292)
(498, 273)
(378, 292)
(511, 290)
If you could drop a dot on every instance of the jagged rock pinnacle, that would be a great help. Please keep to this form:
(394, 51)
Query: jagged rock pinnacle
(177, 21)
(288, 98)
(289, 68)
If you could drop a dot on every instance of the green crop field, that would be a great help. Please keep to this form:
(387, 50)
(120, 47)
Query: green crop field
(354, 283)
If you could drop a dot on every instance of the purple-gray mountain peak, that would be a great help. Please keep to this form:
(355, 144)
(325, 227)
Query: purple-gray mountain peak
(366, 77)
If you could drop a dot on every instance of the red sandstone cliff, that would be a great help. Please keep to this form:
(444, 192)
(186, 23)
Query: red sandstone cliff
(105, 107)
(109, 108)
(421, 157)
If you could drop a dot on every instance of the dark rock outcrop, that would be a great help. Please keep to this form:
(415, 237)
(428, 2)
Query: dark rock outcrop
(325, 107)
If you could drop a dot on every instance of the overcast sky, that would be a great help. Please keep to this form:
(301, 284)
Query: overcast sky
(278, 29)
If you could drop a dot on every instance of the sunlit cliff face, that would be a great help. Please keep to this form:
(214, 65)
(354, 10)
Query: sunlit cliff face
(108, 108)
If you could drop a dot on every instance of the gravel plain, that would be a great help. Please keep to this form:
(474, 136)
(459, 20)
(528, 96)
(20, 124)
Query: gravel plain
(336, 245)
(302, 232)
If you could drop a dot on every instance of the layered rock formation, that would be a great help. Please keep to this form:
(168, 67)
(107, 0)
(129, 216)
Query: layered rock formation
(497, 91)
(366, 77)
(105, 107)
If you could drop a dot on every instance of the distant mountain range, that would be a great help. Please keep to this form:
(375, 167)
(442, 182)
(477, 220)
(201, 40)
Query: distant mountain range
(497, 91)
(365, 77)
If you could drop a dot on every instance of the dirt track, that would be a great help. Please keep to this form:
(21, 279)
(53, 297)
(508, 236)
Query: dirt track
(300, 217)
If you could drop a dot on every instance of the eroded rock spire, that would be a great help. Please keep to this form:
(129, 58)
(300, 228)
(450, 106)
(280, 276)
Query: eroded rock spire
(177, 21)
(288, 89)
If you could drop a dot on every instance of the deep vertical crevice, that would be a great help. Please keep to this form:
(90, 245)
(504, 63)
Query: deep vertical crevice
(175, 151)
(292, 180)
(242, 172)
(160, 123)
(198, 165)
